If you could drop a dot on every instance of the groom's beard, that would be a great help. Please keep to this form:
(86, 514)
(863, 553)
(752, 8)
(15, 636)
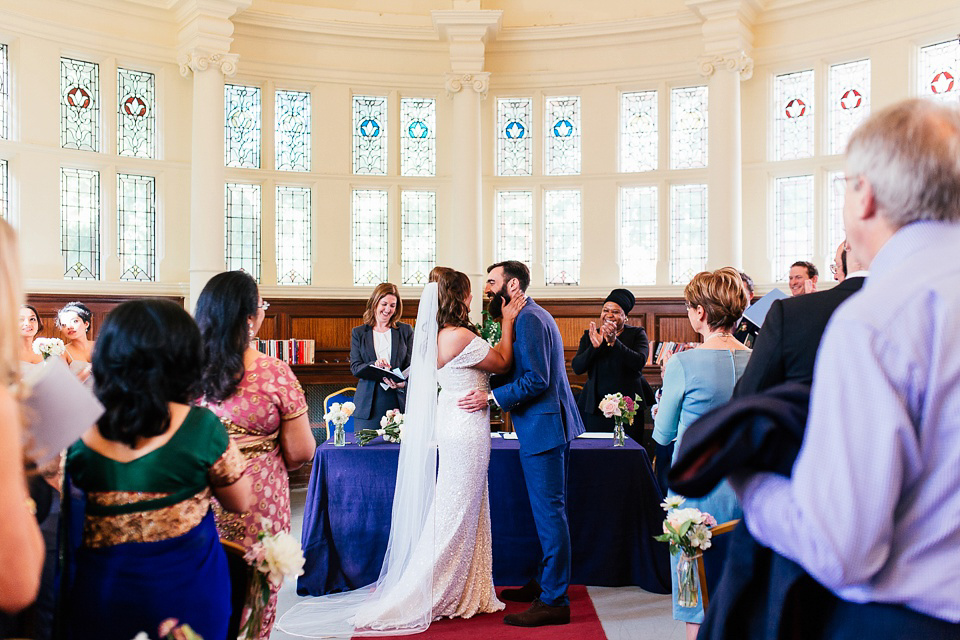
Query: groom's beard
(495, 305)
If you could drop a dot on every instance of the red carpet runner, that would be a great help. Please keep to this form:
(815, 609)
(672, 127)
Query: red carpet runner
(584, 624)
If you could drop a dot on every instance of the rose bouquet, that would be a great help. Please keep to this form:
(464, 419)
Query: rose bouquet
(274, 556)
(47, 347)
(391, 428)
(338, 416)
(688, 532)
(623, 409)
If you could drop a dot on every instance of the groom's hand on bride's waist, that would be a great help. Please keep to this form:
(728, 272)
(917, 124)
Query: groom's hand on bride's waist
(475, 400)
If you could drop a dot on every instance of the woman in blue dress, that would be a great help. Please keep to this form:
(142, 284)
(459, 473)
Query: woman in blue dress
(699, 380)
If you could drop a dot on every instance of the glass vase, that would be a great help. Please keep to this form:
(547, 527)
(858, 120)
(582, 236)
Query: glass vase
(618, 434)
(688, 592)
(339, 436)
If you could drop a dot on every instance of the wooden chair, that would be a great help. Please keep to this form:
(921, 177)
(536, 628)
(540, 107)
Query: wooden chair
(320, 434)
(241, 574)
(720, 529)
(576, 389)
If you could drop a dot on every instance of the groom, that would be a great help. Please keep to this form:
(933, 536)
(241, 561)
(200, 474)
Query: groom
(537, 395)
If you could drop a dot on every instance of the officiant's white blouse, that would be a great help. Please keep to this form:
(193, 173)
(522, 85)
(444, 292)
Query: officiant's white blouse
(383, 344)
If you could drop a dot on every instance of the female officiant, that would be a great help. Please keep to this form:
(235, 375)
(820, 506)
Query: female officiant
(385, 342)
(612, 354)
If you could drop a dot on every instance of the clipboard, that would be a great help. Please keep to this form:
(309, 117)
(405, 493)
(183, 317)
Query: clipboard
(377, 374)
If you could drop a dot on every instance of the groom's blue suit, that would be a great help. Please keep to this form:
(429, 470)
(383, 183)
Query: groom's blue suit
(537, 395)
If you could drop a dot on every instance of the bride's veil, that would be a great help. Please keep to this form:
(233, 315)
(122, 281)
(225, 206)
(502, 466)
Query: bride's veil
(400, 601)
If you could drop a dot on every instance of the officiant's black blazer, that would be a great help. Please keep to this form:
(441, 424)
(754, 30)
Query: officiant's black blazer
(786, 347)
(362, 353)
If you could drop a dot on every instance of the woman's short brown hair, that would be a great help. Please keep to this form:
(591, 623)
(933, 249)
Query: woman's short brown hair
(721, 295)
(437, 271)
(379, 292)
(453, 287)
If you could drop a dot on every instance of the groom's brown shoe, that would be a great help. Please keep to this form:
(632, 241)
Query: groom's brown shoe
(539, 615)
(527, 593)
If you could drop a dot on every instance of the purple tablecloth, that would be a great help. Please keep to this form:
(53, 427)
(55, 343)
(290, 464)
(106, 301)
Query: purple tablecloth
(613, 505)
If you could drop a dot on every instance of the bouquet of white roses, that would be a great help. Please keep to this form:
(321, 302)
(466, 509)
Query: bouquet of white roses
(339, 413)
(274, 556)
(687, 530)
(391, 428)
(47, 347)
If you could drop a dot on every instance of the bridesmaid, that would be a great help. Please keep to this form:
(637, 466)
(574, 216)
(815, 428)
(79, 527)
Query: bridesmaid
(260, 402)
(74, 321)
(30, 325)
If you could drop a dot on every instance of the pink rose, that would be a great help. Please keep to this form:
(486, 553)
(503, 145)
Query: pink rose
(629, 402)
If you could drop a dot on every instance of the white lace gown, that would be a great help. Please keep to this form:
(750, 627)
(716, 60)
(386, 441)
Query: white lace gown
(461, 554)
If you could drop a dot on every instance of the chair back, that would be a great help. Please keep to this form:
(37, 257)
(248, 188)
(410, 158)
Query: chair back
(241, 574)
(576, 389)
(340, 395)
(718, 530)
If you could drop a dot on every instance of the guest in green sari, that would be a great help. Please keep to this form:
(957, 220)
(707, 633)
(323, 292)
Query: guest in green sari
(138, 486)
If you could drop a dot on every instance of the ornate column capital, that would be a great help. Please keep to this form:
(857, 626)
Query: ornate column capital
(455, 82)
(737, 62)
(197, 60)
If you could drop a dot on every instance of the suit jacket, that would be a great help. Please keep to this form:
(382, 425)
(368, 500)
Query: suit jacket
(362, 352)
(536, 392)
(611, 369)
(786, 347)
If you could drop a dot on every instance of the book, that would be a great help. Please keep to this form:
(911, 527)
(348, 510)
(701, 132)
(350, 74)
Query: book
(290, 351)
(757, 312)
(377, 374)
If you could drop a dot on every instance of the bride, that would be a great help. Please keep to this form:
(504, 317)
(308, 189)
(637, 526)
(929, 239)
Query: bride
(439, 560)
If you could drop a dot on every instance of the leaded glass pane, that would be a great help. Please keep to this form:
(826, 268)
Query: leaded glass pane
(849, 101)
(293, 235)
(939, 76)
(514, 225)
(369, 236)
(4, 92)
(792, 224)
(639, 131)
(418, 137)
(793, 115)
(835, 229)
(242, 129)
(688, 128)
(293, 130)
(688, 231)
(80, 223)
(514, 136)
(638, 235)
(4, 199)
(79, 105)
(136, 114)
(243, 228)
(370, 136)
(418, 249)
(561, 153)
(137, 224)
(561, 226)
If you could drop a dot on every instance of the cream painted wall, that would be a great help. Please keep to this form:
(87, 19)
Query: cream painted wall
(282, 46)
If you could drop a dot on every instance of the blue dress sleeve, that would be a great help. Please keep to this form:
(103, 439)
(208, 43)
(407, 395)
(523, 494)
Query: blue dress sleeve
(667, 422)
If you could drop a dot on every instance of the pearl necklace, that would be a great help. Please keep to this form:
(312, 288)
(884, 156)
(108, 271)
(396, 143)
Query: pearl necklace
(718, 334)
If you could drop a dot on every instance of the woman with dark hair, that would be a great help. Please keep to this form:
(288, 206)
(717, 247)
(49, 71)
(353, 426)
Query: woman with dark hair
(260, 402)
(74, 320)
(30, 325)
(149, 549)
(385, 342)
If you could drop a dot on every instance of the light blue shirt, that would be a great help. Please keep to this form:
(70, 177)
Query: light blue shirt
(873, 508)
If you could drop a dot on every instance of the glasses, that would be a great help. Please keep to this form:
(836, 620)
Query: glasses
(833, 269)
(263, 305)
(840, 184)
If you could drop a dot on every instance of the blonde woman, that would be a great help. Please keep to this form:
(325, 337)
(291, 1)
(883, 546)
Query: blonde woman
(21, 545)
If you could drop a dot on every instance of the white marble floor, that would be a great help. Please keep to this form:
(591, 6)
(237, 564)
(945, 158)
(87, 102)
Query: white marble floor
(626, 613)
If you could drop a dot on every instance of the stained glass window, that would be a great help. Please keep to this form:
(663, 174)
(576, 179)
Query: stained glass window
(514, 136)
(80, 223)
(242, 128)
(688, 128)
(793, 223)
(4, 199)
(418, 249)
(638, 235)
(793, 115)
(137, 224)
(849, 101)
(688, 231)
(939, 75)
(79, 105)
(293, 235)
(243, 228)
(835, 229)
(370, 135)
(292, 109)
(514, 225)
(561, 233)
(418, 137)
(639, 131)
(136, 114)
(4, 92)
(561, 153)
(369, 236)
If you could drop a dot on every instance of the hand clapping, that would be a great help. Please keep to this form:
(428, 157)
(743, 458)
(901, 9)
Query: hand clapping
(596, 339)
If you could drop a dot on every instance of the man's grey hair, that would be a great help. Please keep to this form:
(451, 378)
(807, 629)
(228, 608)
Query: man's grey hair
(910, 153)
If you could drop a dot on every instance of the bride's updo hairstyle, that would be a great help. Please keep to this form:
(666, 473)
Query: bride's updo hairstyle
(721, 295)
(453, 287)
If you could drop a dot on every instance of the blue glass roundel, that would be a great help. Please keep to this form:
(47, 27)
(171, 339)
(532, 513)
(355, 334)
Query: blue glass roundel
(563, 129)
(418, 129)
(515, 130)
(369, 128)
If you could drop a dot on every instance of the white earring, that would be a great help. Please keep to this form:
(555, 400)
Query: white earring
(251, 332)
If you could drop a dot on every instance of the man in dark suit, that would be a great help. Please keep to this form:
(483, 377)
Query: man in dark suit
(786, 347)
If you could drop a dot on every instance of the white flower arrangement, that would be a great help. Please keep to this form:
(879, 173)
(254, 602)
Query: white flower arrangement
(687, 530)
(47, 347)
(274, 556)
(339, 413)
(391, 429)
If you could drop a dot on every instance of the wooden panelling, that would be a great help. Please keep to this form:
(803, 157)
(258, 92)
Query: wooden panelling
(672, 328)
(48, 305)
